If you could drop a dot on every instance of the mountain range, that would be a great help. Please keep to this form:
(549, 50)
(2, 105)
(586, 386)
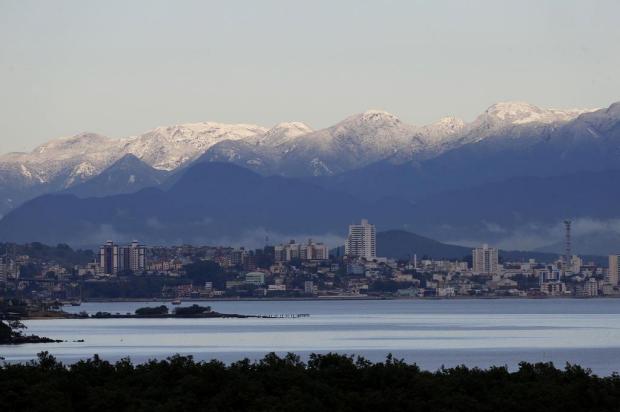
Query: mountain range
(287, 149)
(509, 177)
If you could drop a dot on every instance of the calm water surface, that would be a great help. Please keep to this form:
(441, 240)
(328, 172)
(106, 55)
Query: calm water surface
(431, 333)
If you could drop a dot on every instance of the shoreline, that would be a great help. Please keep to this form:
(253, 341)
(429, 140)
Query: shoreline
(346, 298)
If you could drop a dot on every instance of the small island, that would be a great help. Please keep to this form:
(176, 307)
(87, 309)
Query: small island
(162, 312)
(13, 311)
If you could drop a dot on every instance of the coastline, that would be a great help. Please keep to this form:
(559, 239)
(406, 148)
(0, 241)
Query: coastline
(346, 298)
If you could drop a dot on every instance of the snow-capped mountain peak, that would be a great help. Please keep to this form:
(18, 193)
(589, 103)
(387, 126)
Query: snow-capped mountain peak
(374, 117)
(167, 148)
(287, 148)
(291, 128)
(514, 112)
(284, 132)
(441, 130)
(522, 113)
(83, 141)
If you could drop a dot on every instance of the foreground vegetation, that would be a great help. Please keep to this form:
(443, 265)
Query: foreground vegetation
(325, 383)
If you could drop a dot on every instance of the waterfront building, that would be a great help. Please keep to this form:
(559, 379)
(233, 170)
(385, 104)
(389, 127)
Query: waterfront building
(614, 270)
(590, 287)
(485, 260)
(277, 288)
(309, 287)
(553, 288)
(255, 278)
(607, 289)
(362, 241)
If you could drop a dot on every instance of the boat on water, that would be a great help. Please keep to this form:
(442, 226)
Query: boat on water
(176, 302)
(76, 303)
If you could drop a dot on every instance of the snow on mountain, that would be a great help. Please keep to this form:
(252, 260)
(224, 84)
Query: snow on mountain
(376, 130)
(260, 153)
(518, 113)
(294, 149)
(283, 133)
(167, 148)
(78, 158)
(290, 149)
(356, 141)
(442, 130)
(513, 119)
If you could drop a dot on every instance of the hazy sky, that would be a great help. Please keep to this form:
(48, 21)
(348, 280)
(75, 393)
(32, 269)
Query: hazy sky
(123, 67)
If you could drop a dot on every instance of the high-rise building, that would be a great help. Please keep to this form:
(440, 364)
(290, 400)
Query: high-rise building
(362, 241)
(237, 256)
(109, 258)
(614, 270)
(485, 260)
(314, 251)
(134, 257)
(307, 251)
(114, 259)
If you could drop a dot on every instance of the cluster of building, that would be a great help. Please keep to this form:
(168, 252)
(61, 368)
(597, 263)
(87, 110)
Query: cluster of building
(297, 251)
(309, 269)
(568, 276)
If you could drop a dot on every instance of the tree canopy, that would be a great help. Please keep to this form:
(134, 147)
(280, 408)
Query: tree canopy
(150, 311)
(328, 382)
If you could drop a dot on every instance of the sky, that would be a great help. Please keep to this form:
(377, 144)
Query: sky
(120, 68)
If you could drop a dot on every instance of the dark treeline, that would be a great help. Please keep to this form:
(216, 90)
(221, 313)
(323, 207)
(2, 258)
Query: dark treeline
(325, 383)
(62, 254)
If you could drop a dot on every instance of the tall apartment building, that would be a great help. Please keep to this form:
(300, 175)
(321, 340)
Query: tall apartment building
(307, 251)
(614, 270)
(237, 256)
(362, 241)
(114, 259)
(108, 258)
(133, 257)
(485, 260)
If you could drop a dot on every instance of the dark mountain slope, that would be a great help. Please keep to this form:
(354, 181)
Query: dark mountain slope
(129, 174)
(211, 201)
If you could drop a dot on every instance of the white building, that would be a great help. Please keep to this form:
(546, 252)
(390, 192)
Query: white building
(307, 251)
(133, 257)
(309, 288)
(614, 270)
(554, 288)
(255, 278)
(362, 241)
(485, 260)
(590, 287)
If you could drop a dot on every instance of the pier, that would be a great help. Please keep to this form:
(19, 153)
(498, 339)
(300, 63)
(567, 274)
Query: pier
(285, 316)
